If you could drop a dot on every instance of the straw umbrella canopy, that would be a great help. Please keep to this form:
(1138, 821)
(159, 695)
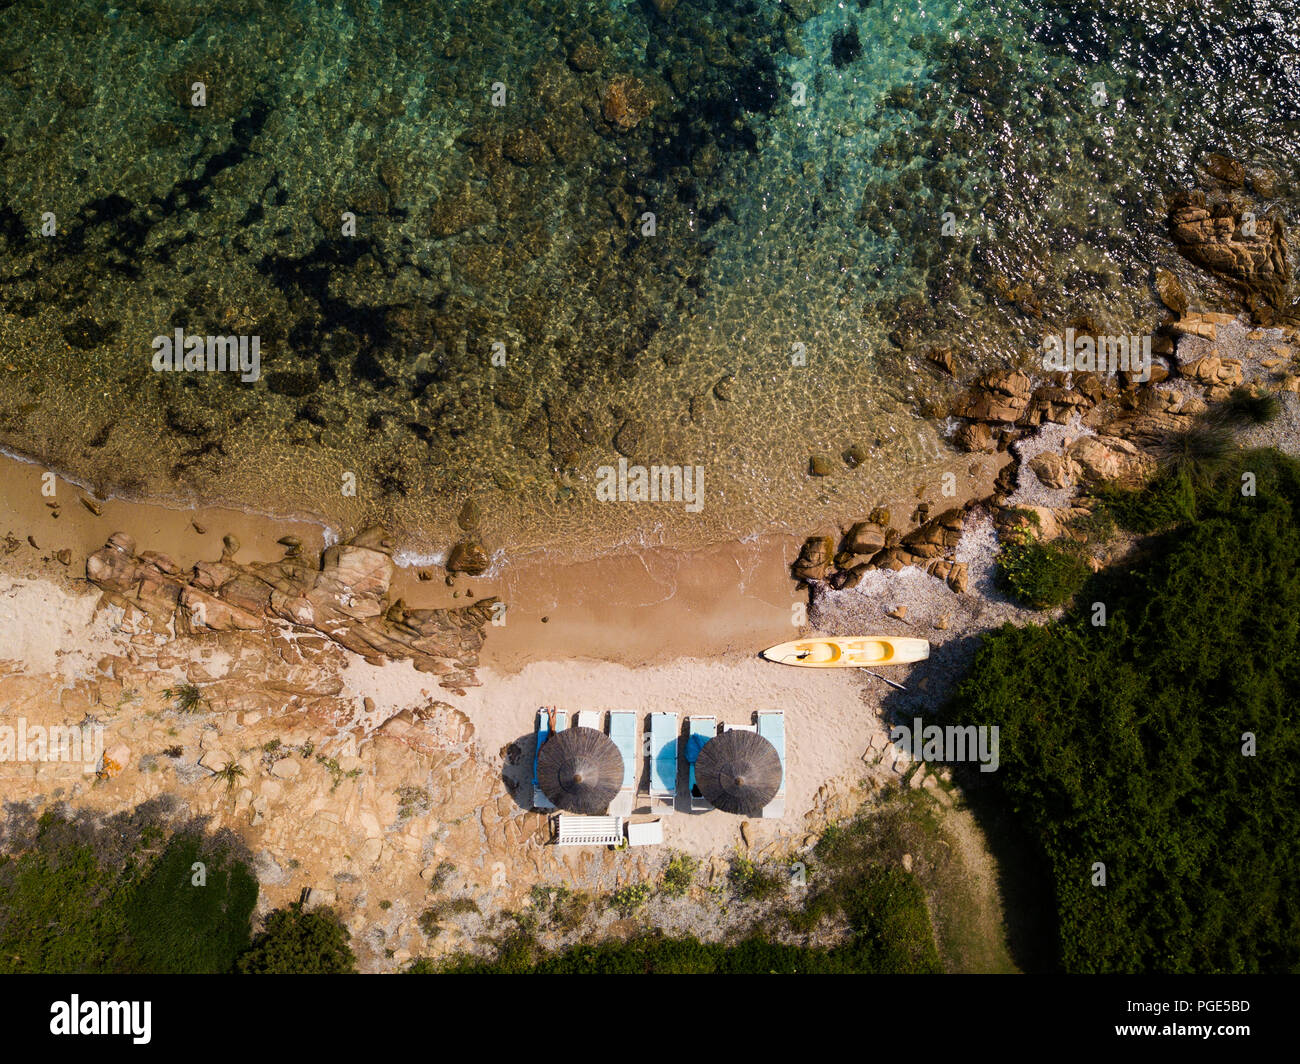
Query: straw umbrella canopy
(580, 770)
(739, 772)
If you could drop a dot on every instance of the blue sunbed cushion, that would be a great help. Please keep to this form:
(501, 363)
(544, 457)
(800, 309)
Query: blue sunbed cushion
(663, 749)
(622, 730)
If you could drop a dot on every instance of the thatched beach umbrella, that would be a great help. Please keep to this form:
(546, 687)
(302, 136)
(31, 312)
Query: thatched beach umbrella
(739, 772)
(580, 770)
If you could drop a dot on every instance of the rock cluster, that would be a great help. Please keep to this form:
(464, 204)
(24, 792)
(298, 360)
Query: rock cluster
(345, 598)
(875, 544)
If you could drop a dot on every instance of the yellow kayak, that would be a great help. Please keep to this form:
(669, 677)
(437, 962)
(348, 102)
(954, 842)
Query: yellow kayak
(855, 652)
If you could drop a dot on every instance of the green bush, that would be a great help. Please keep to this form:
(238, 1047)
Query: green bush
(1123, 743)
(678, 875)
(1168, 501)
(751, 882)
(179, 926)
(81, 896)
(627, 900)
(300, 942)
(1041, 575)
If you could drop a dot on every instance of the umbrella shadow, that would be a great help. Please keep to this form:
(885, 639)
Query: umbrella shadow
(517, 770)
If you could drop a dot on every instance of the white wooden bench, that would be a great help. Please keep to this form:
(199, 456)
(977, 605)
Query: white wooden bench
(588, 830)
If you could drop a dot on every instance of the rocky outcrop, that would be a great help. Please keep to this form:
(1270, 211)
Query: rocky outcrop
(1243, 247)
(871, 544)
(1000, 396)
(1112, 460)
(346, 600)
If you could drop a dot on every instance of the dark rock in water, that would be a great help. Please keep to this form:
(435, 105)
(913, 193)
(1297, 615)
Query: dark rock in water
(509, 394)
(470, 516)
(626, 102)
(86, 334)
(627, 441)
(845, 46)
(819, 466)
(1225, 169)
(457, 212)
(855, 456)
(469, 557)
(1171, 291)
(229, 545)
(584, 53)
(523, 146)
(291, 383)
(725, 389)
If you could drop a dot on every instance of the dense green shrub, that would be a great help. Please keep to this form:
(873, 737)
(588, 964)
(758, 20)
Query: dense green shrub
(1123, 743)
(179, 926)
(80, 896)
(1041, 575)
(296, 941)
(1170, 500)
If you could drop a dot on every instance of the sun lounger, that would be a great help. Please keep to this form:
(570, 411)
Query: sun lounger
(588, 830)
(622, 731)
(704, 728)
(771, 726)
(739, 727)
(540, 801)
(663, 762)
(588, 718)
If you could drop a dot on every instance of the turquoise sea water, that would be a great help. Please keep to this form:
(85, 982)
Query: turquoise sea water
(799, 159)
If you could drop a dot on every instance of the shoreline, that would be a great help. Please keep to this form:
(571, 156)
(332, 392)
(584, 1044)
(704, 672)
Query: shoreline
(731, 598)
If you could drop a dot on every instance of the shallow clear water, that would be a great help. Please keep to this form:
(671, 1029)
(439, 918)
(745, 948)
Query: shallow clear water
(1050, 132)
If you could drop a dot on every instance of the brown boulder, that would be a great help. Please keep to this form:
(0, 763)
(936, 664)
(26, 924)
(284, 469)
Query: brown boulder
(976, 437)
(362, 570)
(207, 611)
(1000, 396)
(814, 558)
(1054, 470)
(112, 569)
(469, 557)
(1214, 236)
(959, 578)
(864, 538)
(1110, 459)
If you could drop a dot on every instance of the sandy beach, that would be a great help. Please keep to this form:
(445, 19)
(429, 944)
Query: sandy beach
(658, 630)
